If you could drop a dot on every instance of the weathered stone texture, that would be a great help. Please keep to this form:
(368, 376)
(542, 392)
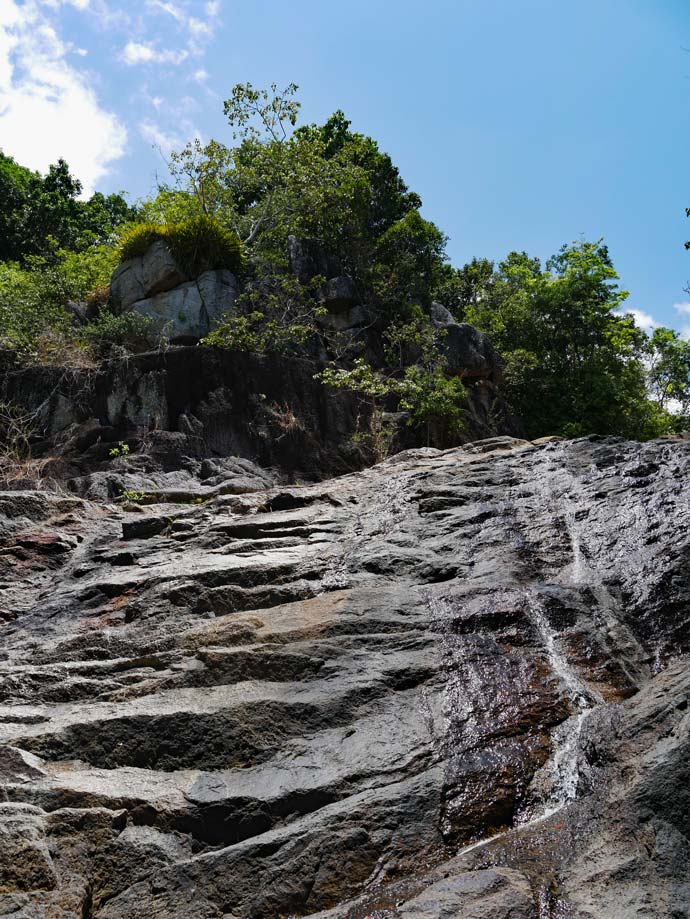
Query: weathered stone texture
(452, 685)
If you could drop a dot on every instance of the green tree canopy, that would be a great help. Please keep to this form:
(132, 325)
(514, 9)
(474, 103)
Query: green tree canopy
(319, 182)
(573, 364)
(40, 215)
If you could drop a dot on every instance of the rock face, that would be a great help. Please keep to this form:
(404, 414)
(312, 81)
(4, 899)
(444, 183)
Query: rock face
(307, 259)
(183, 309)
(138, 278)
(452, 685)
(191, 404)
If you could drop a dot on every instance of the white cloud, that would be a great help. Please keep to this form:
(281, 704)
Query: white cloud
(48, 108)
(213, 8)
(55, 4)
(170, 8)
(201, 75)
(642, 320)
(683, 310)
(158, 137)
(136, 52)
(199, 28)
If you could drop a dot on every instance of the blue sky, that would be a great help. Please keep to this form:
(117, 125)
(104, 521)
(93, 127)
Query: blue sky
(522, 123)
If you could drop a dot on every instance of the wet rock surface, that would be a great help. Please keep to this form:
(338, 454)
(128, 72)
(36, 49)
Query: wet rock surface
(453, 685)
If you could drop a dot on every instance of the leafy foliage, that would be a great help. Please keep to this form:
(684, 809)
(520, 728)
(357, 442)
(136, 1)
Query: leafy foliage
(323, 183)
(276, 314)
(573, 363)
(668, 374)
(41, 215)
(33, 298)
(27, 308)
(110, 335)
(435, 403)
(120, 449)
(256, 333)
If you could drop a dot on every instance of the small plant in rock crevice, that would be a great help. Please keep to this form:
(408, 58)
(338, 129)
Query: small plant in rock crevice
(120, 449)
(136, 497)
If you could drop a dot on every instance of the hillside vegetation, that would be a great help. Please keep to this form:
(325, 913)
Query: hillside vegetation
(574, 363)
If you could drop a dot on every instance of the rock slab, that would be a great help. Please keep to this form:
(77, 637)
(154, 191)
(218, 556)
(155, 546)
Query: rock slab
(455, 684)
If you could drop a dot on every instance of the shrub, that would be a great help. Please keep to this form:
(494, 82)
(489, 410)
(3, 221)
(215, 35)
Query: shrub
(120, 449)
(33, 318)
(28, 309)
(257, 334)
(198, 244)
(130, 332)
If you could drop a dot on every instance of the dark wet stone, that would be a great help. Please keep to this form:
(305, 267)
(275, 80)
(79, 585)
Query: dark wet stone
(455, 684)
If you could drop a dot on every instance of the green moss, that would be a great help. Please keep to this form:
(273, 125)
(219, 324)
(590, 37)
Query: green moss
(198, 244)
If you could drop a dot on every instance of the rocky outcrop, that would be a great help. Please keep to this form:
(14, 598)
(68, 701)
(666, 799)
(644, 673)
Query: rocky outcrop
(190, 311)
(453, 685)
(338, 294)
(308, 259)
(186, 404)
(468, 352)
(182, 308)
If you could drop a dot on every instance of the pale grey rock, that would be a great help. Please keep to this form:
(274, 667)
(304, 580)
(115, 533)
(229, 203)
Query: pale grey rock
(191, 310)
(139, 278)
(439, 314)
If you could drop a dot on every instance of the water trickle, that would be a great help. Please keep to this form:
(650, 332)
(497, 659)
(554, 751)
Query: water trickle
(564, 767)
(562, 772)
(578, 693)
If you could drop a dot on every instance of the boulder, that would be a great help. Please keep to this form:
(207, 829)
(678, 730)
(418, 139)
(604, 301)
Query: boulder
(468, 351)
(189, 311)
(496, 893)
(139, 278)
(338, 294)
(440, 315)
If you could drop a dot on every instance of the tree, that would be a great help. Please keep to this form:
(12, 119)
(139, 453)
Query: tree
(15, 181)
(573, 364)
(668, 373)
(406, 262)
(41, 215)
(324, 183)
